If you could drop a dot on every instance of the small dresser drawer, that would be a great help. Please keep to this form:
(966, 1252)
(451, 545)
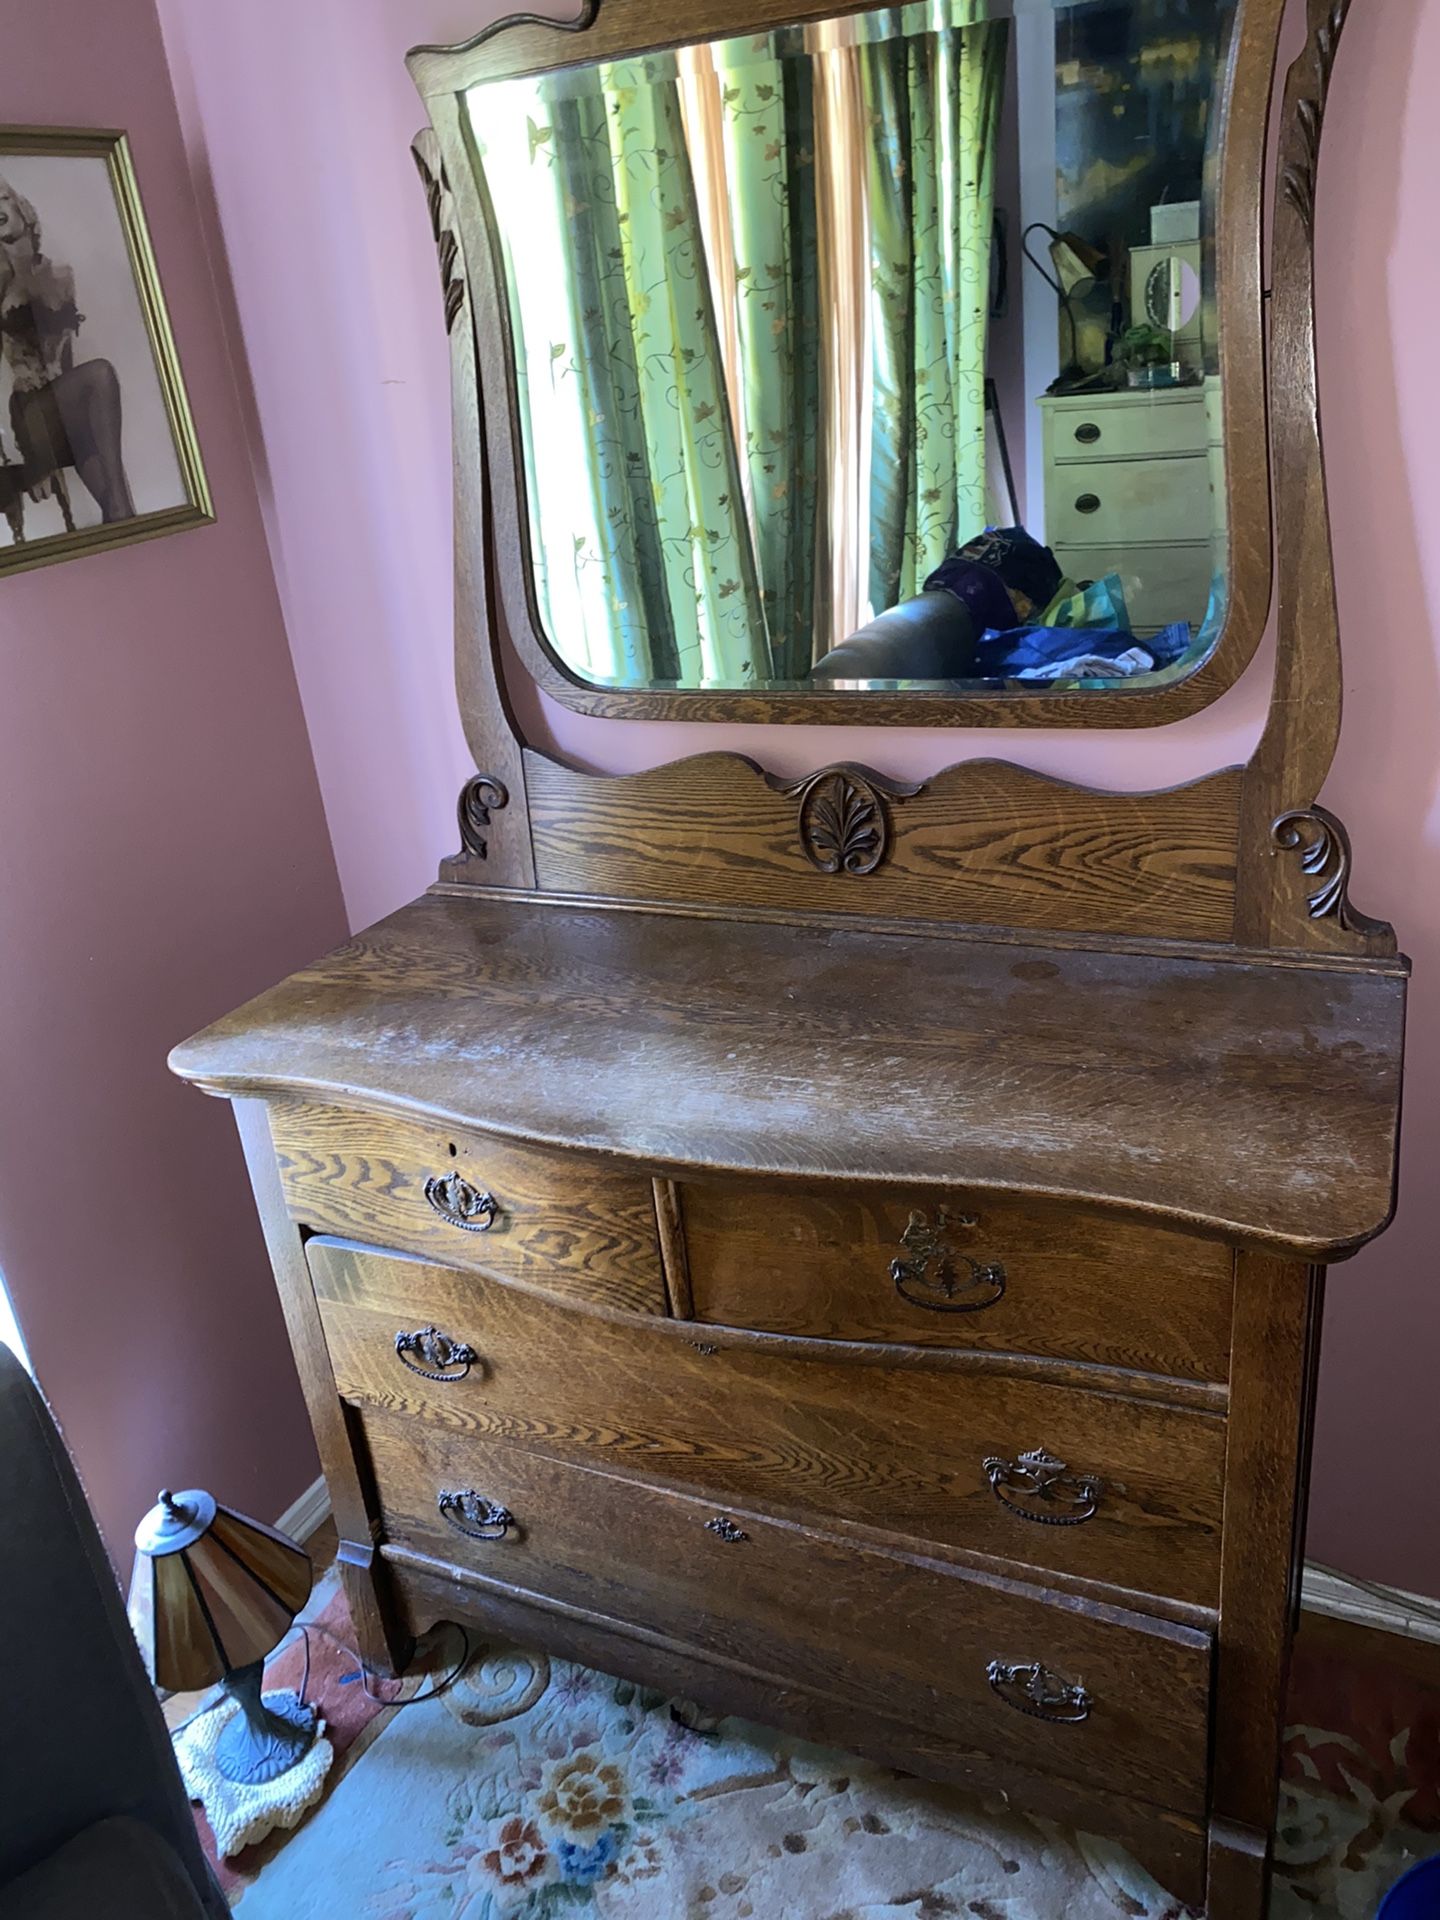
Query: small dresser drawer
(1084, 1693)
(1124, 501)
(573, 1226)
(1126, 427)
(955, 1450)
(957, 1270)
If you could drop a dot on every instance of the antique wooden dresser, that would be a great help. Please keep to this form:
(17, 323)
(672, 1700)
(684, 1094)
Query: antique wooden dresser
(844, 1249)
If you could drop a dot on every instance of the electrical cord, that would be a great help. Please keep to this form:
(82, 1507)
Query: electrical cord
(304, 1629)
(433, 1692)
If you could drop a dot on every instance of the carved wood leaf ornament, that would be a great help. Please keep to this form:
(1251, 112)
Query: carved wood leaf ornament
(1299, 180)
(426, 150)
(844, 828)
(1325, 857)
(844, 820)
(479, 798)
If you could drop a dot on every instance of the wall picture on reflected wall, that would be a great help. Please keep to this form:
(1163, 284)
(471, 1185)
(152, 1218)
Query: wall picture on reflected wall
(97, 446)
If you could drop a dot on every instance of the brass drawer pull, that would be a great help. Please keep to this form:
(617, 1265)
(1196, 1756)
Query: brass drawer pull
(1088, 503)
(471, 1513)
(455, 1200)
(437, 1356)
(938, 1278)
(1033, 1689)
(1087, 433)
(1055, 1497)
(725, 1529)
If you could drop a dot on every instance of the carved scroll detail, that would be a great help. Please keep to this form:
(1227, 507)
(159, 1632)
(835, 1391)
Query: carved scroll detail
(493, 28)
(426, 150)
(479, 798)
(1299, 177)
(843, 817)
(1325, 856)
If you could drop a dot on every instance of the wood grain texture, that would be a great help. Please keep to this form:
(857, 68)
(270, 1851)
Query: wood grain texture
(1255, 1102)
(901, 1451)
(1279, 902)
(383, 1643)
(674, 1254)
(983, 842)
(572, 1225)
(1277, 1307)
(531, 45)
(491, 731)
(796, 1261)
(890, 1634)
(1169, 1844)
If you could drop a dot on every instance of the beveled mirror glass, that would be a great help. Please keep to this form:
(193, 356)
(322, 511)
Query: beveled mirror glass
(879, 352)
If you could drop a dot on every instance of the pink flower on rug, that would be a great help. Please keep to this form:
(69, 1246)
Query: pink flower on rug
(519, 1854)
(667, 1766)
(583, 1797)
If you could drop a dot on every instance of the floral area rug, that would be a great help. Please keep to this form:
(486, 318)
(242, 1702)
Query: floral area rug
(537, 1790)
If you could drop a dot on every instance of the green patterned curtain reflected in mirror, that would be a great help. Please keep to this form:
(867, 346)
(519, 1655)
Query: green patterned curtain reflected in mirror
(646, 560)
(774, 345)
(932, 113)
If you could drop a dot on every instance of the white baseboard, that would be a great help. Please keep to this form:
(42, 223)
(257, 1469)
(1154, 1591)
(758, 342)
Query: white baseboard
(1324, 1590)
(303, 1516)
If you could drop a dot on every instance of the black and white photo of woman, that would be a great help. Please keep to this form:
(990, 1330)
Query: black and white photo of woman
(64, 407)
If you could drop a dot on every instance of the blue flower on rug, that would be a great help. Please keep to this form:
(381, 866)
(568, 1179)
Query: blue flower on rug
(583, 1866)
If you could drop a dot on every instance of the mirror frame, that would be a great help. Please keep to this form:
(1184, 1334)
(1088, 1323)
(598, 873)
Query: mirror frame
(495, 544)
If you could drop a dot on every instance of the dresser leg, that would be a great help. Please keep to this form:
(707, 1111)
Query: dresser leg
(382, 1643)
(1239, 1873)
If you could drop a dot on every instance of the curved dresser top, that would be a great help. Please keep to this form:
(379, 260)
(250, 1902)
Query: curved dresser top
(1248, 1096)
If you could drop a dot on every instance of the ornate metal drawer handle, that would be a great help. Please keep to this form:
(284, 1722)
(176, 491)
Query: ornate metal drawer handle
(455, 1200)
(1055, 1496)
(1088, 503)
(935, 1276)
(471, 1513)
(1033, 1689)
(1087, 433)
(726, 1530)
(438, 1356)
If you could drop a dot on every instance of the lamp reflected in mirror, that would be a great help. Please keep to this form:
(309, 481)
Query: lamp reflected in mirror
(1075, 270)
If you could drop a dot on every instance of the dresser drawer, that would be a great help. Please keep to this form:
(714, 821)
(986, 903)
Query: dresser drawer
(574, 1226)
(997, 1275)
(1105, 428)
(895, 1636)
(1109, 501)
(1118, 1491)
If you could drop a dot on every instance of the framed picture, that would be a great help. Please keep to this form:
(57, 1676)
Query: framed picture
(97, 446)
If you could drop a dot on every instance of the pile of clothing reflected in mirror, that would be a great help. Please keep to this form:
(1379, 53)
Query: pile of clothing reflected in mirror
(1000, 611)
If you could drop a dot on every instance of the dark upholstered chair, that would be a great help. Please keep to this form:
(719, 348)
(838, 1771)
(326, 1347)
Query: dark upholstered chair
(94, 1823)
(931, 637)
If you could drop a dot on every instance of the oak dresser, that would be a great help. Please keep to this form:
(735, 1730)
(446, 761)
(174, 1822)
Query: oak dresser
(849, 1249)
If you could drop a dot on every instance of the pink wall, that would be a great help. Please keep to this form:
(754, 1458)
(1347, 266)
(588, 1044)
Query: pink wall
(163, 856)
(329, 258)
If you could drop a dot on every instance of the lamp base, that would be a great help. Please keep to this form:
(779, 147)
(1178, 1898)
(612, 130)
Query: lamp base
(266, 1737)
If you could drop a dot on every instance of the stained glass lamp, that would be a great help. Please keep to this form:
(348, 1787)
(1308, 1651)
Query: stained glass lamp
(212, 1594)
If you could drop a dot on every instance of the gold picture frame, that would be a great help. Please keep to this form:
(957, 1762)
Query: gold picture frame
(95, 424)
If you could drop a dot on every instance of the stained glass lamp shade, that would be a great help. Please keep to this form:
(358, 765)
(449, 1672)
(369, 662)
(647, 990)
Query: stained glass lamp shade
(211, 1595)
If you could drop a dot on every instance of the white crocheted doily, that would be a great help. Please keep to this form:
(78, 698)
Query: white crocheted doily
(239, 1815)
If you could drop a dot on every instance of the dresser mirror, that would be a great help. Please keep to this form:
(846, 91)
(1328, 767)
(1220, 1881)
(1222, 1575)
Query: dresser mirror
(871, 355)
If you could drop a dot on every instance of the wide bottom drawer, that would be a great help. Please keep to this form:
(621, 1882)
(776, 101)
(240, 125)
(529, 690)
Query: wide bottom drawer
(1087, 1693)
